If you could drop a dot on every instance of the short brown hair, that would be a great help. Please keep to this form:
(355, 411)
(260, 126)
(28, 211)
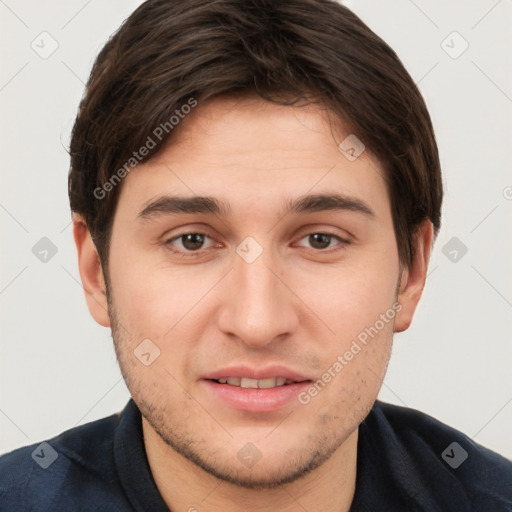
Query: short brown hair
(169, 51)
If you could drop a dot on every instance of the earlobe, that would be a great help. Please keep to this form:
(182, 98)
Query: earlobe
(414, 277)
(91, 272)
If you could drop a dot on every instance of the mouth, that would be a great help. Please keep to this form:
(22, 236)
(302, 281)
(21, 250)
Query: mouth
(256, 391)
(247, 383)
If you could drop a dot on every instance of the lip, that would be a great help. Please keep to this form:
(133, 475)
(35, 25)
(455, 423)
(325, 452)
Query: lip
(251, 399)
(257, 373)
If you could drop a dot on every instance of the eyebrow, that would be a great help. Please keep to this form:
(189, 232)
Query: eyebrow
(168, 205)
(324, 202)
(180, 205)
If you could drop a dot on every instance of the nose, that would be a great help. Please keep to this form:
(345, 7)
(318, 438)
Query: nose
(258, 305)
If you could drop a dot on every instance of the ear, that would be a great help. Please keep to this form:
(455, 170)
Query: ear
(91, 272)
(413, 278)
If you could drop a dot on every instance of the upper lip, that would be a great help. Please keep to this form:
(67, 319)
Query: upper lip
(257, 373)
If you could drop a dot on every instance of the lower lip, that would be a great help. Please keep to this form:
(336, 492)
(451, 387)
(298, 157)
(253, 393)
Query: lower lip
(256, 400)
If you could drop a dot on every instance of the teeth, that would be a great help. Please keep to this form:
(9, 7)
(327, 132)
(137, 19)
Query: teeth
(247, 383)
(268, 383)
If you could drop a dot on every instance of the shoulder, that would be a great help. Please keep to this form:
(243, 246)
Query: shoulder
(446, 460)
(53, 475)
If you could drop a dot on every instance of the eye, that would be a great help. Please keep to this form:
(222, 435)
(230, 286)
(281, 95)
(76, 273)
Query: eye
(188, 242)
(322, 241)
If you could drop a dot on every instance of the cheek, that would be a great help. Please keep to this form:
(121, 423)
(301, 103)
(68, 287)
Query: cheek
(353, 301)
(350, 296)
(153, 299)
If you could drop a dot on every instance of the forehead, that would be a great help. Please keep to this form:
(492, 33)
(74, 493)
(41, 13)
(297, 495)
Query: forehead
(247, 149)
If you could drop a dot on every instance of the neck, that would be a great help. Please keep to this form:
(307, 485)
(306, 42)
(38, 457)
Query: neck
(186, 487)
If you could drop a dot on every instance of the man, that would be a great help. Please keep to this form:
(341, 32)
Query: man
(255, 190)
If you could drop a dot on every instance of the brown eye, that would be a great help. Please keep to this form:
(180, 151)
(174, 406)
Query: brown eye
(192, 241)
(320, 240)
(188, 242)
(323, 242)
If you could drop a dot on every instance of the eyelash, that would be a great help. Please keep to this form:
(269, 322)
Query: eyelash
(191, 254)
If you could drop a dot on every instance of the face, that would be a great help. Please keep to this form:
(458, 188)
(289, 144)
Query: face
(258, 284)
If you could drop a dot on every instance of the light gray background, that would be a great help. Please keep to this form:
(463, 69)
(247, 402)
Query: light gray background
(58, 367)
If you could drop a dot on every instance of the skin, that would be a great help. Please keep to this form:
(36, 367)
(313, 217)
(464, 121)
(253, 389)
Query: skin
(297, 304)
